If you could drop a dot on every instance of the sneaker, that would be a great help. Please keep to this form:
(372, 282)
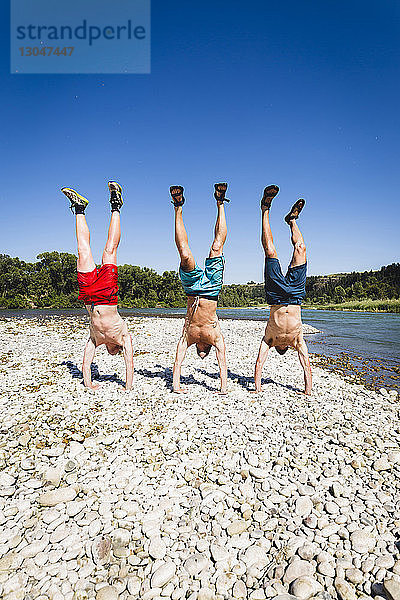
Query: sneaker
(77, 201)
(115, 195)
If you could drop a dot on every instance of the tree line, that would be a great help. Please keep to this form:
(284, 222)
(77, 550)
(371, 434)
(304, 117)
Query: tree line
(50, 282)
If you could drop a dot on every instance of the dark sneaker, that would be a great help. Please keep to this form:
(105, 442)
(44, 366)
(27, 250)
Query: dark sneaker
(220, 191)
(295, 210)
(78, 202)
(269, 194)
(115, 195)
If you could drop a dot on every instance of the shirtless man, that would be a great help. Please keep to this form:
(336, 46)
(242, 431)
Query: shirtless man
(202, 288)
(284, 293)
(98, 288)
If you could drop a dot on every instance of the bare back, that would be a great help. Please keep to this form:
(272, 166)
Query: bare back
(201, 322)
(284, 327)
(106, 325)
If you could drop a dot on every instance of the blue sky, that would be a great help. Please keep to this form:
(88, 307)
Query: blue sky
(304, 94)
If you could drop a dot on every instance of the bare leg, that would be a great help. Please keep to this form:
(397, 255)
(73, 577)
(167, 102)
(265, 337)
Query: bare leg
(299, 252)
(181, 240)
(85, 262)
(114, 235)
(266, 235)
(220, 232)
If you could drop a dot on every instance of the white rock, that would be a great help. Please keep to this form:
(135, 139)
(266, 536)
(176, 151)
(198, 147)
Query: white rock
(344, 590)
(120, 538)
(237, 527)
(296, 569)
(75, 507)
(257, 594)
(95, 528)
(54, 497)
(6, 480)
(205, 593)
(362, 541)
(304, 506)
(225, 582)
(53, 476)
(305, 587)
(382, 464)
(239, 589)
(218, 552)
(134, 584)
(195, 564)
(31, 550)
(75, 448)
(163, 574)
(107, 593)
(101, 549)
(157, 547)
(392, 589)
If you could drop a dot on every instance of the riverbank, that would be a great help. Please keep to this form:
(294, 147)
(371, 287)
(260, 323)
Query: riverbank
(149, 494)
(384, 306)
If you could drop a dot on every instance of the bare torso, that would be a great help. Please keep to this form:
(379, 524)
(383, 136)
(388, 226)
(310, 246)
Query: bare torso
(106, 325)
(201, 322)
(284, 327)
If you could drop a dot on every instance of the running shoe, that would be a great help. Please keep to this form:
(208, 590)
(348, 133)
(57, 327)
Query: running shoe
(115, 195)
(76, 199)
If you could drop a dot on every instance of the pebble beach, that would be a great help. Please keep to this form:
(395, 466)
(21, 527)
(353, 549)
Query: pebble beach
(151, 495)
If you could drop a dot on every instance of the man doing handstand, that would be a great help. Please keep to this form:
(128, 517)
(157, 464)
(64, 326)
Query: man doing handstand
(98, 288)
(284, 293)
(202, 288)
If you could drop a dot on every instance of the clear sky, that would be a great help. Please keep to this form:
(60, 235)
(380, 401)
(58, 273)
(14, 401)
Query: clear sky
(302, 93)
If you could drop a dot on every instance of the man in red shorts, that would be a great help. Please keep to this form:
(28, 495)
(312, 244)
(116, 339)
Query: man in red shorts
(98, 288)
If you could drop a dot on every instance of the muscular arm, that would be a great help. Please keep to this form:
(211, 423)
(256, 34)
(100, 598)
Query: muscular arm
(305, 363)
(180, 355)
(88, 356)
(221, 358)
(128, 356)
(261, 358)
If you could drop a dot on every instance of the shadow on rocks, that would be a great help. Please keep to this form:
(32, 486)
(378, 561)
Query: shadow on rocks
(76, 373)
(166, 374)
(248, 382)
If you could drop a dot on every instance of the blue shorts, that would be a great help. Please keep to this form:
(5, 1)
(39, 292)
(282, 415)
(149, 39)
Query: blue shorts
(288, 289)
(205, 283)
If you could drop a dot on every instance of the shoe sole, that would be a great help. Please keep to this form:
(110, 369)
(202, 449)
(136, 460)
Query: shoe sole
(119, 190)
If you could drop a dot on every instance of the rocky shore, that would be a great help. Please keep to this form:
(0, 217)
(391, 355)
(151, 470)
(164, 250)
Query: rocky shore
(152, 495)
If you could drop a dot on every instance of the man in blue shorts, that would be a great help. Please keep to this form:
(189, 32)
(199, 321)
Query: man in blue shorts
(202, 288)
(284, 292)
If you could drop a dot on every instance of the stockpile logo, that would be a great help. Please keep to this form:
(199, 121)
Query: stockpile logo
(80, 36)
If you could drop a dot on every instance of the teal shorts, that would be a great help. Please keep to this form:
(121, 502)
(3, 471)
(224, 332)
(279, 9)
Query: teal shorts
(205, 283)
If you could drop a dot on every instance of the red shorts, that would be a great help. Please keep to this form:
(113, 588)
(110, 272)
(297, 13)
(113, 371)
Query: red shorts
(100, 286)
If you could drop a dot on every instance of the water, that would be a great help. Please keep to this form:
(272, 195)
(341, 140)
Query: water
(361, 345)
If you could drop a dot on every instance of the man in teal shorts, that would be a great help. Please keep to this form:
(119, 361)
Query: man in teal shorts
(202, 288)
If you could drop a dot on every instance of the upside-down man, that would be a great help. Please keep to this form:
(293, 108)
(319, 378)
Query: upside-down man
(284, 292)
(98, 288)
(202, 288)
